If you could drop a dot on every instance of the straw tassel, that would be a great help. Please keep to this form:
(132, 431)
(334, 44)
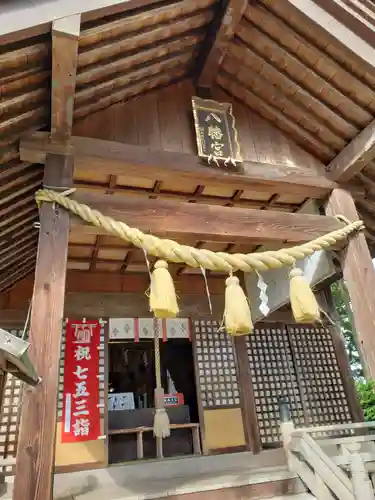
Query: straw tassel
(302, 299)
(161, 418)
(163, 300)
(237, 316)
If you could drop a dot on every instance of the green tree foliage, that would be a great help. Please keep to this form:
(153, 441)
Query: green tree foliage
(366, 393)
(346, 324)
(365, 389)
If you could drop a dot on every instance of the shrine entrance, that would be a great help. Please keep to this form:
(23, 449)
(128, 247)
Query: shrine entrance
(131, 385)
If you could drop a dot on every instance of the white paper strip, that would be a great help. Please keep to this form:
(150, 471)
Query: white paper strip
(121, 328)
(146, 328)
(316, 269)
(263, 297)
(178, 328)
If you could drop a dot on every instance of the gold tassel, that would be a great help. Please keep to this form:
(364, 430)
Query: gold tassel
(237, 316)
(302, 299)
(163, 300)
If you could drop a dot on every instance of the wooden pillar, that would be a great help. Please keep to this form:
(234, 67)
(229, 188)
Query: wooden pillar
(249, 415)
(343, 360)
(359, 276)
(36, 447)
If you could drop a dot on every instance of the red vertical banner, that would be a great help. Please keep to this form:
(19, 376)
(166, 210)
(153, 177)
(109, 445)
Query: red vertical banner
(81, 412)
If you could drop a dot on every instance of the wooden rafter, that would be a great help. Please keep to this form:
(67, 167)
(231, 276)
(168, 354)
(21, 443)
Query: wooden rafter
(321, 16)
(124, 159)
(353, 16)
(25, 21)
(231, 18)
(355, 156)
(65, 39)
(207, 222)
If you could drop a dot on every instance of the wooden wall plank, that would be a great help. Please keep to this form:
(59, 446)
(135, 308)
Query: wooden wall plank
(36, 449)
(260, 141)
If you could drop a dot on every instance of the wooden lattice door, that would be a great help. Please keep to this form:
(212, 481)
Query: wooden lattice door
(217, 372)
(298, 363)
(10, 416)
(274, 376)
(319, 375)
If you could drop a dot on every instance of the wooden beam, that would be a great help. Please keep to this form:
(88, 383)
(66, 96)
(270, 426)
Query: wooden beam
(15, 302)
(355, 156)
(359, 276)
(65, 39)
(103, 282)
(114, 158)
(207, 222)
(36, 447)
(231, 18)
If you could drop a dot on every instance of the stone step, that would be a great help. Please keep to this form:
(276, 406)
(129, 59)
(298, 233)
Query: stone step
(298, 496)
(220, 477)
(229, 485)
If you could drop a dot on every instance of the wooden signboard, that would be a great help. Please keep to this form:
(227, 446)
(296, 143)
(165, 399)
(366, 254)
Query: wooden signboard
(217, 137)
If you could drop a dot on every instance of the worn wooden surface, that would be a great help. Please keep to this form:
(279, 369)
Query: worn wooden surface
(65, 38)
(359, 17)
(36, 447)
(33, 18)
(338, 29)
(317, 93)
(355, 156)
(107, 294)
(231, 17)
(271, 65)
(206, 222)
(359, 276)
(119, 159)
(249, 415)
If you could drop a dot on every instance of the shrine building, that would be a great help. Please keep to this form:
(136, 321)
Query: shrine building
(158, 161)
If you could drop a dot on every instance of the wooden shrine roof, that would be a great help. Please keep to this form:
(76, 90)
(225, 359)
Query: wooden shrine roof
(312, 86)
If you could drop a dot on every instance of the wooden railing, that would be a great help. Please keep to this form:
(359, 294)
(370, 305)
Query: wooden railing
(334, 462)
